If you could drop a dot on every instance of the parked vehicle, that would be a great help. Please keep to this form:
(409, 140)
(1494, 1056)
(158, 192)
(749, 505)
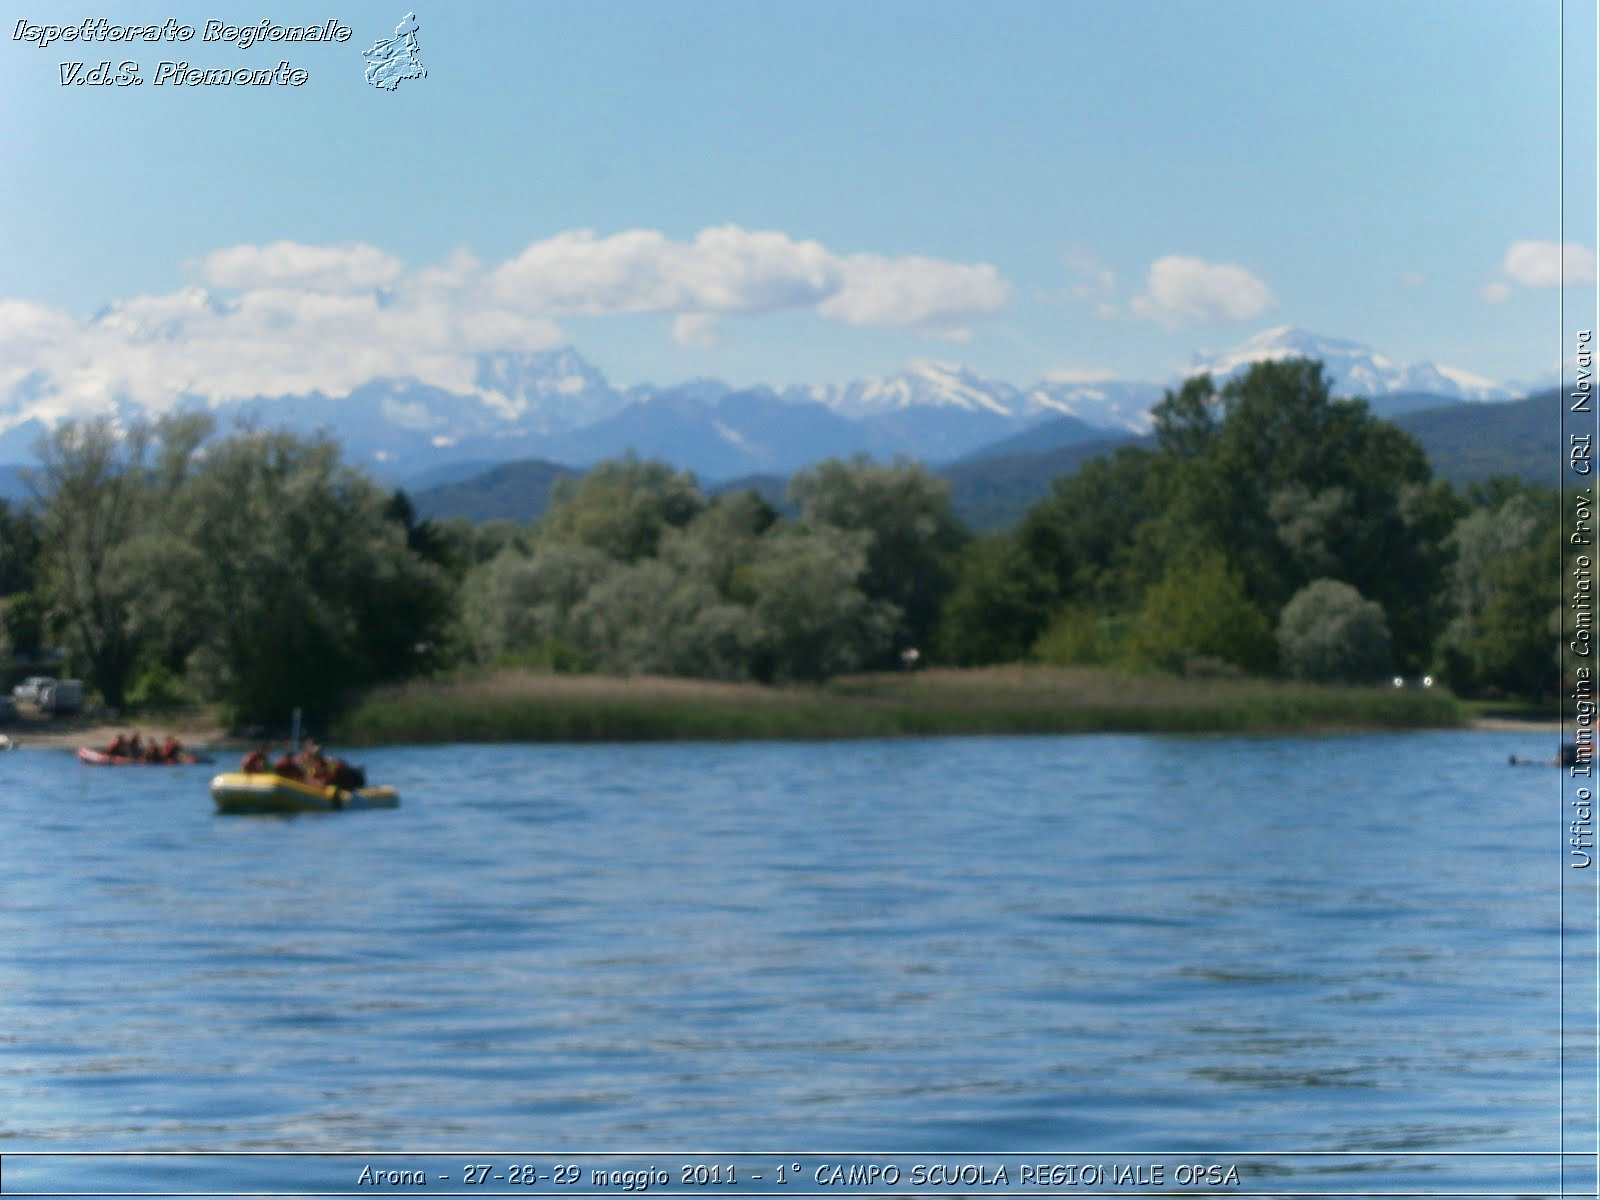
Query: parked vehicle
(61, 696)
(27, 692)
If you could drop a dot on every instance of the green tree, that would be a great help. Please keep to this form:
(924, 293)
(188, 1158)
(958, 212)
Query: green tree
(813, 619)
(904, 509)
(1293, 485)
(22, 618)
(721, 541)
(1502, 591)
(622, 507)
(1519, 648)
(1198, 614)
(488, 539)
(1506, 597)
(443, 543)
(519, 606)
(1329, 633)
(296, 580)
(645, 618)
(97, 500)
(1080, 637)
(1187, 422)
(21, 613)
(1000, 603)
(1082, 536)
(20, 548)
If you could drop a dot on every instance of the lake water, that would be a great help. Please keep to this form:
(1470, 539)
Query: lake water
(1128, 943)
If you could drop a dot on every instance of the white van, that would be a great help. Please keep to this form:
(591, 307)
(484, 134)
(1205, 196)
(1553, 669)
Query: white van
(28, 690)
(61, 696)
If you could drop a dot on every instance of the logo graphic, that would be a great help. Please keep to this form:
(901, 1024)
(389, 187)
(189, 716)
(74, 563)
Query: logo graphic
(392, 59)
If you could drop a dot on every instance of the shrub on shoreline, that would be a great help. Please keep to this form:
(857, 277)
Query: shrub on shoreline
(527, 706)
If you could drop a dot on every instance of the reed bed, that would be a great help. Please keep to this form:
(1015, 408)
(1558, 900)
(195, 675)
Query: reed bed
(526, 706)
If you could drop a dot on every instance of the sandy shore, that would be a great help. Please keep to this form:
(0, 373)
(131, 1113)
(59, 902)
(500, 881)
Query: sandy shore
(1518, 725)
(42, 734)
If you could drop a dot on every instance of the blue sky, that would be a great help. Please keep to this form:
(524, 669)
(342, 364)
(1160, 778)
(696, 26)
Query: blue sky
(798, 192)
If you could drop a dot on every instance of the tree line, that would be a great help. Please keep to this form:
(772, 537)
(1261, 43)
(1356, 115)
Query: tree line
(1271, 530)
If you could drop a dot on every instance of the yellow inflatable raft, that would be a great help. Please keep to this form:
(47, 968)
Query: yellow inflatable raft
(235, 793)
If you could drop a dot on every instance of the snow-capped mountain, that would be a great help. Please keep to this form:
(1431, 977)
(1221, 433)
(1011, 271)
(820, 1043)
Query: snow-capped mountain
(556, 389)
(390, 422)
(1114, 405)
(1354, 369)
(924, 384)
(557, 405)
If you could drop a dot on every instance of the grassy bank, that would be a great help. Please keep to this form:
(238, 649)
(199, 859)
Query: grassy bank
(1515, 710)
(524, 706)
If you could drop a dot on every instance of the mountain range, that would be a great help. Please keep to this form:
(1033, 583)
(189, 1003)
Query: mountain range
(557, 407)
(993, 487)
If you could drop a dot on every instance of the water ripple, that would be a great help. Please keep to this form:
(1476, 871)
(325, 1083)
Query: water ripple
(987, 943)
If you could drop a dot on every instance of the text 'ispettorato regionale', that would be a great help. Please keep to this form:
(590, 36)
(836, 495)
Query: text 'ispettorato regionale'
(99, 33)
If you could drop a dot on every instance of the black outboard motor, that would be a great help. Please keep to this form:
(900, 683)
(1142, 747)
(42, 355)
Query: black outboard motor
(348, 777)
(1569, 754)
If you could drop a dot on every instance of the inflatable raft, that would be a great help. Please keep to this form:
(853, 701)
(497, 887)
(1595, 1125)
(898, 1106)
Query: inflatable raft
(99, 758)
(235, 793)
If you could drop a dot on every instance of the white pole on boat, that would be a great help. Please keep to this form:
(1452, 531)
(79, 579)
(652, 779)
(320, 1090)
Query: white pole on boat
(294, 732)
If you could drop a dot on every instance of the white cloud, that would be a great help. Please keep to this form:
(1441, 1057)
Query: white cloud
(695, 329)
(1543, 264)
(27, 333)
(1182, 290)
(483, 328)
(1496, 292)
(732, 270)
(1413, 279)
(1081, 375)
(292, 332)
(723, 270)
(290, 264)
(292, 318)
(915, 293)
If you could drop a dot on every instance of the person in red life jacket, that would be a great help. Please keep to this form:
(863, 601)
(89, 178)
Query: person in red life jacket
(152, 752)
(171, 750)
(118, 747)
(287, 767)
(318, 769)
(135, 747)
(255, 763)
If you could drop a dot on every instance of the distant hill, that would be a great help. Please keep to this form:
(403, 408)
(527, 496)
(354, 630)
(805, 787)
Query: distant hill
(514, 491)
(993, 492)
(446, 473)
(1474, 441)
(521, 491)
(1400, 403)
(1058, 433)
(1464, 441)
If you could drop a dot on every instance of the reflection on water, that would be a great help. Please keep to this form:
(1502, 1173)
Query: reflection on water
(1104, 942)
